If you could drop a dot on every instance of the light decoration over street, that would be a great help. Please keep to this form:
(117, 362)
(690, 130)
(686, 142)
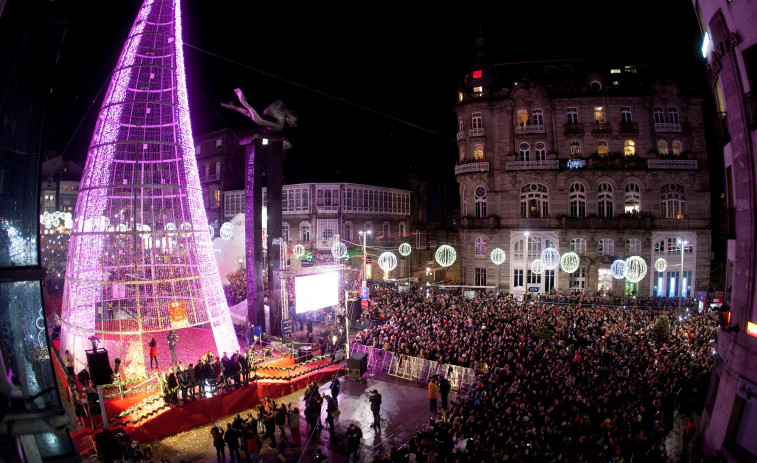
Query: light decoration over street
(550, 258)
(227, 231)
(339, 249)
(405, 249)
(387, 261)
(636, 269)
(498, 256)
(211, 231)
(661, 264)
(569, 262)
(298, 250)
(618, 269)
(445, 255)
(537, 267)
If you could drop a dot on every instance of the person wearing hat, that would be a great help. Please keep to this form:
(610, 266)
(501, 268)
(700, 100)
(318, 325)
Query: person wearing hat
(375, 399)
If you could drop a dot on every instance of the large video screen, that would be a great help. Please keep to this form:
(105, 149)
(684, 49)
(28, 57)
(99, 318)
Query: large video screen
(316, 291)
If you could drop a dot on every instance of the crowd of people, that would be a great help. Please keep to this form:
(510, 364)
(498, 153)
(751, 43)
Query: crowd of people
(558, 381)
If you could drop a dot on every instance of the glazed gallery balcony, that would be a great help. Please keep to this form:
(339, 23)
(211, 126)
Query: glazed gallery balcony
(550, 164)
(620, 222)
(471, 167)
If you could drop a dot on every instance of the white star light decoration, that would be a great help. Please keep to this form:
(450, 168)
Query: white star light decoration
(445, 255)
(226, 231)
(660, 264)
(298, 251)
(387, 261)
(339, 250)
(618, 269)
(537, 267)
(498, 256)
(405, 249)
(550, 258)
(636, 269)
(569, 262)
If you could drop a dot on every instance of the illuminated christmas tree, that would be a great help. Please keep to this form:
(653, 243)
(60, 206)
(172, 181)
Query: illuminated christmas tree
(140, 258)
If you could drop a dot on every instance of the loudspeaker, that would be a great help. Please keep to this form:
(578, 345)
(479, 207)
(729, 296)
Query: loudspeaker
(100, 372)
(357, 364)
(353, 310)
(104, 443)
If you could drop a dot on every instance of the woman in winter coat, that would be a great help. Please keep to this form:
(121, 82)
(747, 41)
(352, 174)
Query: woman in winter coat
(153, 352)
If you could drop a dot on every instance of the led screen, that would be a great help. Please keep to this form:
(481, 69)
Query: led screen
(316, 291)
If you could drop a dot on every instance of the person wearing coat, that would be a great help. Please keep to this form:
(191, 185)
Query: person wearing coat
(200, 377)
(217, 434)
(433, 395)
(171, 384)
(191, 380)
(153, 353)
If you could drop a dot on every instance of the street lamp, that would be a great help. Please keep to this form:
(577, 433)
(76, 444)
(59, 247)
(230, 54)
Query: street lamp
(682, 245)
(365, 257)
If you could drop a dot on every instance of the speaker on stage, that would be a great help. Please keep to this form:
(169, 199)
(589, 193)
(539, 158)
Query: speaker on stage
(357, 364)
(100, 372)
(353, 310)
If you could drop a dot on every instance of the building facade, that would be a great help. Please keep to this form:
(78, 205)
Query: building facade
(601, 159)
(729, 45)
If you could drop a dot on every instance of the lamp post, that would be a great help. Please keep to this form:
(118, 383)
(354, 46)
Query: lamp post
(681, 244)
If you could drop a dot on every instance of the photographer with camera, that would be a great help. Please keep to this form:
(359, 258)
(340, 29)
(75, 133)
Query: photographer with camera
(375, 400)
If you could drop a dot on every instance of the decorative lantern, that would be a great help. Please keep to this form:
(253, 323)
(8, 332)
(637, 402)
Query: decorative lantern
(636, 269)
(339, 250)
(550, 258)
(445, 255)
(387, 261)
(299, 250)
(498, 256)
(660, 264)
(537, 267)
(227, 231)
(569, 262)
(170, 226)
(618, 269)
(405, 249)
(211, 231)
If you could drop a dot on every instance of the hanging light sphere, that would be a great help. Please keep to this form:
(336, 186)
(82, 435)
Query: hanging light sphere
(498, 256)
(445, 255)
(299, 250)
(186, 226)
(550, 258)
(405, 249)
(387, 261)
(211, 231)
(339, 250)
(618, 269)
(636, 269)
(569, 262)
(226, 231)
(660, 264)
(537, 267)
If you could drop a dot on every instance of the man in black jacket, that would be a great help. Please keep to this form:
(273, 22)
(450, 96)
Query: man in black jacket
(444, 388)
(200, 377)
(375, 400)
(191, 380)
(183, 379)
(232, 440)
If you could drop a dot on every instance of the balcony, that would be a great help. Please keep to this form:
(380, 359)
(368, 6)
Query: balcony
(461, 135)
(667, 127)
(574, 129)
(530, 128)
(601, 127)
(471, 167)
(550, 164)
(480, 222)
(621, 222)
(629, 128)
(477, 132)
(675, 164)
(210, 177)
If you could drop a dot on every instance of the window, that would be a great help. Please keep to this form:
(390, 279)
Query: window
(285, 231)
(537, 117)
(659, 115)
(606, 247)
(605, 207)
(625, 114)
(534, 201)
(662, 148)
(577, 200)
(480, 276)
(541, 151)
(577, 280)
(519, 250)
(572, 115)
(633, 246)
(477, 123)
(478, 152)
(327, 228)
(677, 149)
(517, 277)
(521, 116)
(481, 246)
(673, 116)
(602, 148)
(348, 231)
(630, 69)
(368, 229)
(629, 148)
(549, 279)
(524, 152)
(535, 245)
(219, 143)
(386, 230)
(632, 199)
(295, 199)
(402, 229)
(215, 197)
(461, 125)
(304, 231)
(465, 202)
(328, 199)
(599, 114)
(574, 148)
(479, 200)
(578, 245)
(197, 149)
(673, 201)
(218, 169)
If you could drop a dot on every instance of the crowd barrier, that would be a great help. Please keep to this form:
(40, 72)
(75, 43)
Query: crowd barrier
(414, 368)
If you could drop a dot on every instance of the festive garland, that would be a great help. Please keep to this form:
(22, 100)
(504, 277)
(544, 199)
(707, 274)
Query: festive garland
(315, 359)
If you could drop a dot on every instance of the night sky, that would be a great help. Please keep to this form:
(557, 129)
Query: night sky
(374, 85)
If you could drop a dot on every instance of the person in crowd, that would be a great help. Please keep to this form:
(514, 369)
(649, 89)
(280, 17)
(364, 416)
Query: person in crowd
(153, 353)
(281, 418)
(269, 423)
(375, 400)
(331, 408)
(354, 435)
(216, 433)
(444, 387)
(294, 424)
(200, 377)
(433, 394)
(172, 384)
(244, 367)
(173, 338)
(191, 381)
(68, 361)
(336, 385)
(249, 335)
(182, 378)
(231, 438)
(226, 370)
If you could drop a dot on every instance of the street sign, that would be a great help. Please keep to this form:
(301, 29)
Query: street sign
(364, 294)
(364, 304)
(286, 327)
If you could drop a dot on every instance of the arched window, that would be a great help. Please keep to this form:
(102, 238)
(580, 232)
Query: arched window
(477, 122)
(578, 245)
(625, 114)
(673, 116)
(537, 117)
(632, 199)
(633, 246)
(465, 202)
(577, 200)
(522, 117)
(478, 152)
(402, 229)
(659, 115)
(677, 148)
(605, 206)
(305, 231)
(519, 250)
(673, 201)
(572, 114)
(368, 230)
(348, 231)
(629, 148)
(602, 148)
(541, 151)
(285, 231)
(534, 200)
(574, 147)
(386, 230)
(662, 147)
(606, 247)
(461, 125)
(599, 114)
(479, 200)
(480, 246)
(524, 152)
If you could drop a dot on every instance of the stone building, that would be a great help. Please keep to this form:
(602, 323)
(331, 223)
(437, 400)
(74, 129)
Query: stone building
(603, 158)
(729, 421)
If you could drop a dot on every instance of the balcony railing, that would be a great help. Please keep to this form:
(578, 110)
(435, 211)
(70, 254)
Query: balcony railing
(530, 128)
(477, 132)
(480, 222)
(461, 135)
(600, 127)
(681, 164)
(550, 164)
(620, 222)
(471, 167)
(210, 178)
(574, 128)
(629, 127)
(669, 127)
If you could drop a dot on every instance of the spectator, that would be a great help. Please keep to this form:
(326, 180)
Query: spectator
(354, 435)
(294, 425)
(153, 353)
(433, 395)
(218, 442)
(335, 387)
(173, 338)
(375, 400)
(231, 438)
